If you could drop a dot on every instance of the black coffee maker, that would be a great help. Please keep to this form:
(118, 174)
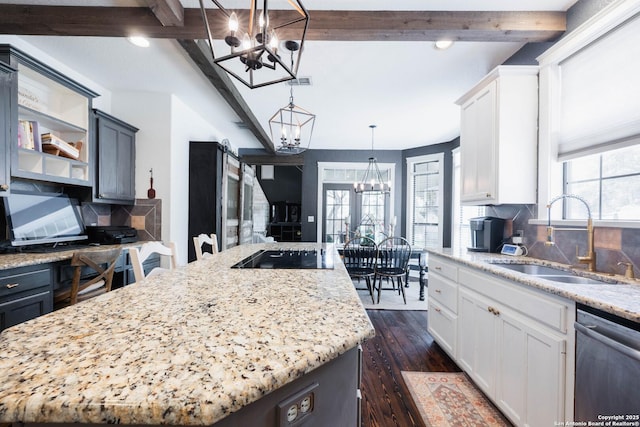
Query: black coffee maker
(486, 234)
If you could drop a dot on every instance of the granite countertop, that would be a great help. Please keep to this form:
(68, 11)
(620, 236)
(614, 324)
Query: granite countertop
(187, 347)
(621, 299)
(23, 259)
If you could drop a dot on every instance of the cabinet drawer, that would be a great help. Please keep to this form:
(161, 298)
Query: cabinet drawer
(18, 281)
(443, 267)
(444, 292)
(542, 308)
(442, 326)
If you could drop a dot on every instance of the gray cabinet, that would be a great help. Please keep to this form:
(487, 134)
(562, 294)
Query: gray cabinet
(6, 76)
(45, 102)
(115, 163)
(25, 293)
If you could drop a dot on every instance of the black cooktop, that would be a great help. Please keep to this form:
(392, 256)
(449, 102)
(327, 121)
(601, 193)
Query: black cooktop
(289, 259)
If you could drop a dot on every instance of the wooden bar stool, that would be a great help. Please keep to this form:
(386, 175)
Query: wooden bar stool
(102, 263)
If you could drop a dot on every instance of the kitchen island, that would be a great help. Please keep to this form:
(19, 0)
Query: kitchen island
(200, 345)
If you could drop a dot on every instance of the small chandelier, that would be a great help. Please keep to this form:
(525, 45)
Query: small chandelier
(372, 181)
(294, 125)
(253, 41)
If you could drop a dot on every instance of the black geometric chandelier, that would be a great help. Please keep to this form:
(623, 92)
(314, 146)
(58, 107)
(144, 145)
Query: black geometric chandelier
(372, 181)
(254, 36)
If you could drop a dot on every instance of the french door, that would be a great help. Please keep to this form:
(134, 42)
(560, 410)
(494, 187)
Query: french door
(346, 213)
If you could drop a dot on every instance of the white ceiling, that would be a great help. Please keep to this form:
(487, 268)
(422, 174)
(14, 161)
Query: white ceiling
(407, 89)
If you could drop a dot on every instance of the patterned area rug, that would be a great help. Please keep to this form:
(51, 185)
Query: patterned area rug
(447, 399)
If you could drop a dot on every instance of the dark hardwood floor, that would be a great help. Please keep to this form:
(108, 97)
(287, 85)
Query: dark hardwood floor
(402, 343)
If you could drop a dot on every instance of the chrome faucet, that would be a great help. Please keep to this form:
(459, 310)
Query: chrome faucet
(590, 257)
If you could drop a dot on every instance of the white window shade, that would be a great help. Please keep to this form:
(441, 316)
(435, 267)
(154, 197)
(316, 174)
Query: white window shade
(600, 94)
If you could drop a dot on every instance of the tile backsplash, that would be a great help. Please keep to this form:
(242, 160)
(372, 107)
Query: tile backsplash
(612, 245)
(145, 216)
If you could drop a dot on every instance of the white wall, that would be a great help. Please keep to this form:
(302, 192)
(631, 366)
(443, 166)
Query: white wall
(166, 124)
(102, 102)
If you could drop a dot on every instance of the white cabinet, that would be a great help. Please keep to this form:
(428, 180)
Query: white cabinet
(443, 302)
(498, 138)
(514, 356)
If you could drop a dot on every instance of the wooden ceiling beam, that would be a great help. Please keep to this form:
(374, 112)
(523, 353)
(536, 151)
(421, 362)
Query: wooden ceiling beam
(323, 25)
(170, 13)
(284, 160)
(199, 53)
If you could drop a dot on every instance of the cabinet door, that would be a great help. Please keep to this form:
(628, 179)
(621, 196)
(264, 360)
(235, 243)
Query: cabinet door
(477, 343)
(6, 75)
(531, 372)
(478, 145)
(25, 308)
(116, 160)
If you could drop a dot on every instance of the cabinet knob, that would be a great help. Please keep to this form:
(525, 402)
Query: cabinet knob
(4, 187)
(437, 310)
(12, 285)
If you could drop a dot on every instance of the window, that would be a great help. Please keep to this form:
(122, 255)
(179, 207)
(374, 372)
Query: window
(461, 233)
(425, 193)
(338, 205)
(609, 182)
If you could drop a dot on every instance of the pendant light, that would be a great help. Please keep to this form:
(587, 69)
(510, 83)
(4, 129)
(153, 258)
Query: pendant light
(291, 126)
(253, 37)
(372, 181)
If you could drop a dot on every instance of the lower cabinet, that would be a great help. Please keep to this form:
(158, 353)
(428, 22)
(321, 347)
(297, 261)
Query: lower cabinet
(25, 293)
(443, 303)
(512, 361)
(515, 342)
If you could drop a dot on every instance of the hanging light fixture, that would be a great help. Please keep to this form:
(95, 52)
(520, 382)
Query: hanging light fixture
(292, 127)
(253, 40)
(372, 181)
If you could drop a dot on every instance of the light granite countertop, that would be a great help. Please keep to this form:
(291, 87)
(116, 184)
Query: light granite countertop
(187, 347)
(621, 299)
(24, 259)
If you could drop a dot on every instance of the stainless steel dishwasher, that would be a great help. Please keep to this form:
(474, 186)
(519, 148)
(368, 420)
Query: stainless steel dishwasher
(607, 367)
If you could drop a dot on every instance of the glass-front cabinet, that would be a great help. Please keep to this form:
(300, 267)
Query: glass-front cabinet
(50, 132)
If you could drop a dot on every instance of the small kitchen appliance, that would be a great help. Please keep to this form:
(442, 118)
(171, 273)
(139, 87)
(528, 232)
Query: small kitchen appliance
(486, 234)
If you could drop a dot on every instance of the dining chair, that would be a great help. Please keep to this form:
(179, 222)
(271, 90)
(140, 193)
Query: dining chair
(201, 240)
(392, 263)
(359, 257)
(139, 255)
(92, 276)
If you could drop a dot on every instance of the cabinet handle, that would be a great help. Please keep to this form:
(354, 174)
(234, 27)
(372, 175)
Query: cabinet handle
(4, 187)
(493, 311)
(488, 195)
(437, 310)
(437, 268)
(12, 285)
(438, 291)
(490, 309)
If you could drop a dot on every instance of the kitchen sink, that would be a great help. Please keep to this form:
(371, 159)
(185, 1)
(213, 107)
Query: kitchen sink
(553, 274)
(536, 270)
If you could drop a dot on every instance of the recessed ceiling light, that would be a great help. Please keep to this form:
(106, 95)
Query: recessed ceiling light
(139, 41)
(443, 44)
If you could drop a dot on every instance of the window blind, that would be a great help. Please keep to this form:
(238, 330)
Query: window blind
(600, 94)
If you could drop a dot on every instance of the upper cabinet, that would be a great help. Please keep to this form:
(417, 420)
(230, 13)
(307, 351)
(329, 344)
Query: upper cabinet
(116, 150)
(498, 138)
(6, 76)
(49, 123)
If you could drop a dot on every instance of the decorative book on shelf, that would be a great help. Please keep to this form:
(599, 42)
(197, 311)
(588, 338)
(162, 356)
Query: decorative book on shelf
(29, 135)
(54, 145)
